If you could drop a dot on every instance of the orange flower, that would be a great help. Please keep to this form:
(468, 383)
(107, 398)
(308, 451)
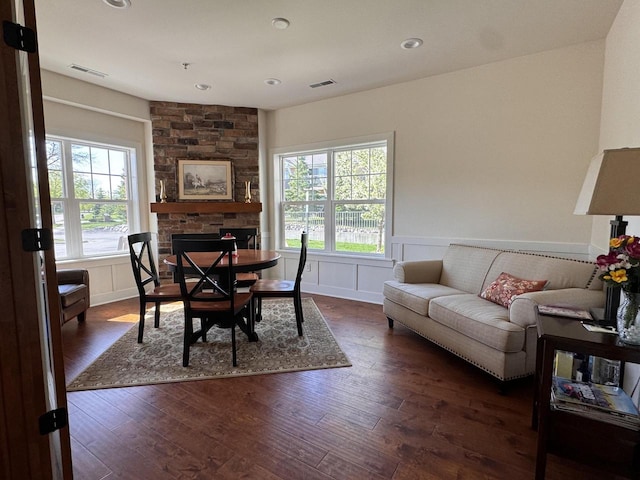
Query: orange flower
(618, 276)
(617, 242)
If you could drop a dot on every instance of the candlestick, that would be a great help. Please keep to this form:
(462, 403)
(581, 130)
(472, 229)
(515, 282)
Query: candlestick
(247, 194)
(163, 193)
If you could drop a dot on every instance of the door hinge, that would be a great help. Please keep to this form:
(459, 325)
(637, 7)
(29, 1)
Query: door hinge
(36, 239)
(53, 420)
(19, 37)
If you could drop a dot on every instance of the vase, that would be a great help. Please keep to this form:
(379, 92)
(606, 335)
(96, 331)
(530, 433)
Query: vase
(629, 317)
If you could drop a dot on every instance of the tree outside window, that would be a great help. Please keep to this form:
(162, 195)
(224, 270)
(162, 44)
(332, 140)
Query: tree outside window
(338, 196)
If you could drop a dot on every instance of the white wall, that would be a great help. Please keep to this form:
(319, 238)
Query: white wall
(620, 126)
(84, 111)
(493, 155)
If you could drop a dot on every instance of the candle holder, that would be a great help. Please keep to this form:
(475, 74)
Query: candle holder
(163, 192)
(247, 193)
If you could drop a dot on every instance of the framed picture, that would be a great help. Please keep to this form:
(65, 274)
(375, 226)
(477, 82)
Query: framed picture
(204, 180)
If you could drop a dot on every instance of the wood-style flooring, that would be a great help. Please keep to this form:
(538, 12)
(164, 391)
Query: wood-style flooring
(405, 410)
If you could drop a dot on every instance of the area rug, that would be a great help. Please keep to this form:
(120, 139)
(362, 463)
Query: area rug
(159, 358)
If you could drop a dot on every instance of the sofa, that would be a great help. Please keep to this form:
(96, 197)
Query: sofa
(73, 290)
(442, 300)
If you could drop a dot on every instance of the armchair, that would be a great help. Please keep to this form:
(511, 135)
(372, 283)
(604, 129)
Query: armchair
(73, 288)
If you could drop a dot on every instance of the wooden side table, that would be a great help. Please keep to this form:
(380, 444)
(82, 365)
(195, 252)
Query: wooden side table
(608, 446)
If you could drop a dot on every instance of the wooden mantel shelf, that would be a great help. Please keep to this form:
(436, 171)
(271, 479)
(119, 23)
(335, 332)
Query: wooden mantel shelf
(206, 207)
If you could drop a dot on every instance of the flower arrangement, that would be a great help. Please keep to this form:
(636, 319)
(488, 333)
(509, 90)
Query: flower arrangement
(621, 266)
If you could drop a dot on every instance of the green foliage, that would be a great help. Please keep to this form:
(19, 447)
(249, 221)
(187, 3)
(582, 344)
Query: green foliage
(340, 246)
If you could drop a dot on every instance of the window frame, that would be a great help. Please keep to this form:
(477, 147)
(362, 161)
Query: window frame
(331, 147)
(71, 203)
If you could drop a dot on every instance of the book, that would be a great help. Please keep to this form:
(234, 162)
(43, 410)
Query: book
(565, 311)
(595, 396)
(599, 402)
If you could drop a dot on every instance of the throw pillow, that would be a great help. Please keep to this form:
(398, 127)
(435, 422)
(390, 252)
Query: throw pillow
(503, 290)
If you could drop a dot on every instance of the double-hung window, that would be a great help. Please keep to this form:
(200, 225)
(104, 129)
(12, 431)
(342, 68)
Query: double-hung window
(91, 202)
(340, 195)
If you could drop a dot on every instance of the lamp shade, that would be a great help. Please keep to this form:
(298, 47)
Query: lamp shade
(612, 184)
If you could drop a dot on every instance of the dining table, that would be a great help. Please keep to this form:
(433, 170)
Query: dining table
(246, 260)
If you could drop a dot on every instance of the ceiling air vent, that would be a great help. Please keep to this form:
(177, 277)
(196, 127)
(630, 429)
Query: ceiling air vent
(323, 84)
(82, 69)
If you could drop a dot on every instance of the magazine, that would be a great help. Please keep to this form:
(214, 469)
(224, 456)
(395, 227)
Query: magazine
(602, 397)
(564, 311)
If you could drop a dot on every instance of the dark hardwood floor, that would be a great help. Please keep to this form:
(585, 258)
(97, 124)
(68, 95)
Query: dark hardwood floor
(406, 409)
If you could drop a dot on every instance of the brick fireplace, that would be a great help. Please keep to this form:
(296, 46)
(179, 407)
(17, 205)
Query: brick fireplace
(203, 132)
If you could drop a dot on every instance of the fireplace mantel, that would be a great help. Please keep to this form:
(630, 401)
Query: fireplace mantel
(206, 207)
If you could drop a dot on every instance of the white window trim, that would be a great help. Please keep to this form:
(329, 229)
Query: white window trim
(352, 142)
(133, 188)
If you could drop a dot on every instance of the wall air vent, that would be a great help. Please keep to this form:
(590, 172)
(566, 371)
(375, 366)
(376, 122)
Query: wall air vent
(82, 69)
(323, 84)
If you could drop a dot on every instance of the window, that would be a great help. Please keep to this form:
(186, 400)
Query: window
(90, 200)
(338, 195)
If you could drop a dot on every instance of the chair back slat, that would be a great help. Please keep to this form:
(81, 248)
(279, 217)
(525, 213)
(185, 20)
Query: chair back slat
(304, 240)
(221, 285)
(245, 237)
(142, 261)
(190, 236)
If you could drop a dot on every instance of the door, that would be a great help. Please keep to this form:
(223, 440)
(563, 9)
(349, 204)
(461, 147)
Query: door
(31, 369)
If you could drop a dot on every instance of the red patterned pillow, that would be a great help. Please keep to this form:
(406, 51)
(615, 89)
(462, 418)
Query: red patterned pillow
(506, 287)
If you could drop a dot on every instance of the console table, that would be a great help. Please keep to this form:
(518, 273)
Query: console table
(614, 448)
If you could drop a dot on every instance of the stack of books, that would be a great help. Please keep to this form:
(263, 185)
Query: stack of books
(600, 402)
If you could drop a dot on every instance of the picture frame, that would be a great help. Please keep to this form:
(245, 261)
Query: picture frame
(204, 180)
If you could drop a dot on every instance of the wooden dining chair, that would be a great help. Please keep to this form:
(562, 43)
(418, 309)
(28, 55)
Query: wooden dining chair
(265, 288)
(245, 238)
(210, 298)
(145, 274)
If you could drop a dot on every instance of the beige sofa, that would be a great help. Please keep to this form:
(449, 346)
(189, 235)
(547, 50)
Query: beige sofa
(439, 299)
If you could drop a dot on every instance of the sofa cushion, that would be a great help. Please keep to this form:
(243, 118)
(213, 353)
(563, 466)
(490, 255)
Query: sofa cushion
(465, 268)
(70, 294)
(479, 319)
(415, 296)
(560, 272)
(506, 286)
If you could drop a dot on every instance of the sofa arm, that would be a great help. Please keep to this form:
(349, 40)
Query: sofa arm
(424, 271)
(76, 276)
(523, 308)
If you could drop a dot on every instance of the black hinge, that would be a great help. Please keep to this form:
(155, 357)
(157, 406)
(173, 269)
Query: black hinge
(17, 36)
(53, 420)
(36, 239)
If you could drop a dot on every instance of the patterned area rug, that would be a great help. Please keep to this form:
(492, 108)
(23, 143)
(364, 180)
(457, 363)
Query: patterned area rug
(159, 358)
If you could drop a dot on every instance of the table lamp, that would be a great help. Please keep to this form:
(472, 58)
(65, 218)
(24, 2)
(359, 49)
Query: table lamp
(612, 187)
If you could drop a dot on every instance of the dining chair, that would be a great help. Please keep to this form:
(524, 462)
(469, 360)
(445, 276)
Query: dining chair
(266, 288)
(145, 273)
(245, 238)
(214, 302)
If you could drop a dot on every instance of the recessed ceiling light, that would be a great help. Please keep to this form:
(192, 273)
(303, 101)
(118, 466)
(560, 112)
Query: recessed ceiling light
(202, 86)
(272, 81)
(118, 3)
(410, 43)
(280, 23)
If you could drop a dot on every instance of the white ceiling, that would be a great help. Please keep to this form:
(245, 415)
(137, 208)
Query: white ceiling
(231, 44)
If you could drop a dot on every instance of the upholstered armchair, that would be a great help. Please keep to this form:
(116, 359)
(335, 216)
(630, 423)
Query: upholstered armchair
(73, 287)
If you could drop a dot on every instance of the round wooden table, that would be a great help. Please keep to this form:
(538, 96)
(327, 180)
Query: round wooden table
(248, 260)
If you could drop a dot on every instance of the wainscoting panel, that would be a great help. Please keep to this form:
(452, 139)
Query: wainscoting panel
(356, 278)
